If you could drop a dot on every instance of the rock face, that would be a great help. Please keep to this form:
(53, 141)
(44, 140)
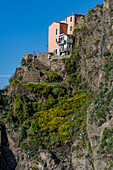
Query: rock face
(107, 31)
(37, 71)
(93, 37)
(7, 158)
(30, 71)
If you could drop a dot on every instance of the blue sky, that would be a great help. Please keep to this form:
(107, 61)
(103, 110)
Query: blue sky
(24, 28)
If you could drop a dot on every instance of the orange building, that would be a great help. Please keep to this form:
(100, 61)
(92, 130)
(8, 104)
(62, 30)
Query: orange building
(66, 27)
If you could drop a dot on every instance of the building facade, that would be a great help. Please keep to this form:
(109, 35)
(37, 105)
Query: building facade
(60, 41)
(65, 44)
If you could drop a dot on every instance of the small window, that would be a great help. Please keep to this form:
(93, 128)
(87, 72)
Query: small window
(69, 45)
(55, 51)
(56, 31)
(56, 40)
(70, 28)
(70, 19)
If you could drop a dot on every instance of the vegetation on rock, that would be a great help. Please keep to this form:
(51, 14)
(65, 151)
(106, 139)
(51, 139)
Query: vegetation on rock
(69, 113)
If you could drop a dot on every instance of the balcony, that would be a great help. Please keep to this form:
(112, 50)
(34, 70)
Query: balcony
(61, 42)
(62, 49)
(70, 41)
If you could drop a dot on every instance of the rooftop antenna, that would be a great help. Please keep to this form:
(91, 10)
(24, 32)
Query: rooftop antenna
(72, 13)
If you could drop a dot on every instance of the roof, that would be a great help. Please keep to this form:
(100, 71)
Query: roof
(58, 22)
(75, 15)
(65, 18)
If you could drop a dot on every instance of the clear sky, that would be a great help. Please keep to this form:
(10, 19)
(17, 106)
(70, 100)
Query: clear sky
(24, 27)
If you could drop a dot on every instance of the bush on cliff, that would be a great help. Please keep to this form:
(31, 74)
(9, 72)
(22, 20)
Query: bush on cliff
(52, 121)
(12, 78)
(54, 77)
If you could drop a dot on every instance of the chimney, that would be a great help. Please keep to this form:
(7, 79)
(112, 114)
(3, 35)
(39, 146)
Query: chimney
(33, 56)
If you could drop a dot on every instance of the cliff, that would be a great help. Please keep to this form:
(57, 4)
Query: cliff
(58, 112)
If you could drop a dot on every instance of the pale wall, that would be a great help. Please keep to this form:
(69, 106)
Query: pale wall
(71, 24)
(52, 36)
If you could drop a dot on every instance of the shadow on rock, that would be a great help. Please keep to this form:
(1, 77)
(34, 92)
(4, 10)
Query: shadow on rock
(7, 158)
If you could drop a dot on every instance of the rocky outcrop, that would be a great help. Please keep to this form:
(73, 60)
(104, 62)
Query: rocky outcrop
(7, 158)
(95, 134)
(93, 37)
(107, 27)
(37, 70)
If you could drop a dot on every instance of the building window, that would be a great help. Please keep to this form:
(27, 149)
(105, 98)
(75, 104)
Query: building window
(55, 51)
(56, 40)
(69, 45)
(70, 19)
(56, 31)
(70, 28)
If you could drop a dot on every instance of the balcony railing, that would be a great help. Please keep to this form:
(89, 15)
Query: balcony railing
(70, 41)
(63, 49)
(61, 41)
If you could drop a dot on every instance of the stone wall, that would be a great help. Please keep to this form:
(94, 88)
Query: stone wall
(43, 58)
(59, 57)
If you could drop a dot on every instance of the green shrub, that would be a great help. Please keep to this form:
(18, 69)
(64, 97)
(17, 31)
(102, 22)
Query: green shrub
(90, 11)
(55, 60)
(12, 78)
(24, 145)
(104, 65)
(22, 132)
(37, 68)
(20, 78)
(46, 69)
(91, 70)
(76, 31)
(54, 77)
(101, 12)
(29, 60)
(102, 102)
(83, 29)
(14, 83)
(23, 62)
(107, 53)
(75, 80)
(70, 65)
(111, 163)
(19, 68)
(101, 6)
(97, 42)
(56, 91)
(106, 142)
(107, 71)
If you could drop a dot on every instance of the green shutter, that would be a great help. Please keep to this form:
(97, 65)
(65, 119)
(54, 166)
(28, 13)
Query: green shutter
(70, 19)
(56, 31)
(70, 28)
(56, 51)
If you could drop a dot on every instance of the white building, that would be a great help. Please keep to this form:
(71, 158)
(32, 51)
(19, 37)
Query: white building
(65, 44)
